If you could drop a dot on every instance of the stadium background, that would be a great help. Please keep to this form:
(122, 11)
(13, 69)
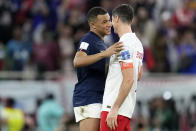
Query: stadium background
(38, 39)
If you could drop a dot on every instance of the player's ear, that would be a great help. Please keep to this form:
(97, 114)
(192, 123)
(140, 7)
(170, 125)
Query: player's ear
(117, 18)
(92, 25)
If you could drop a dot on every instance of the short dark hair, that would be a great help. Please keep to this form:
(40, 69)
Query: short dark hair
(94, 12)
(50, 96)
(10, 102)
(125, 12)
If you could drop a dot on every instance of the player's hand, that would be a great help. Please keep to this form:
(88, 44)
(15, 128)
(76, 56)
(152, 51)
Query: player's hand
(114, 49)
(111, 119)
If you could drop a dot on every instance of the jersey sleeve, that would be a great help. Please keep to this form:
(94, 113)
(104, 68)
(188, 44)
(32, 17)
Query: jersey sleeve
(126, 55)
(84, 46)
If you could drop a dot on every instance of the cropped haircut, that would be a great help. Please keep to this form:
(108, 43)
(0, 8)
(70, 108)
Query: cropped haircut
(125, 13)
(94, 12)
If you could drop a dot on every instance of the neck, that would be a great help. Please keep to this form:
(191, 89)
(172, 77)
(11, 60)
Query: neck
(101, 36)
(123, 29)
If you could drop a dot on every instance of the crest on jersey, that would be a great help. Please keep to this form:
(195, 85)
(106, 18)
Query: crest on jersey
(125, 55)
(84, 46)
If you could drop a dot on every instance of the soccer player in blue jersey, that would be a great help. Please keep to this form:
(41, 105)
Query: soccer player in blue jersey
(90, 61)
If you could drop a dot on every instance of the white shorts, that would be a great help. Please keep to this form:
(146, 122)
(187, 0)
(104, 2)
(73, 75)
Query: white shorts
(87, 111)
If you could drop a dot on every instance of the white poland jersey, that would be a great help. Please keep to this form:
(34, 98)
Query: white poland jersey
(132, 53)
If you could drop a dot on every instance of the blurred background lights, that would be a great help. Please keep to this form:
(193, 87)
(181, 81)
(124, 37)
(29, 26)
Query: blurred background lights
(167, 95)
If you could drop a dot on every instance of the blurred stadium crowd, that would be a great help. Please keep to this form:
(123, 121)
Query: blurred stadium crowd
(42, 36)
(162, 114)
(49, 116)
(156, 114)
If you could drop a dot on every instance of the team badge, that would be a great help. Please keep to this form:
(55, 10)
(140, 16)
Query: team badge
(84, 46)
(125, 55)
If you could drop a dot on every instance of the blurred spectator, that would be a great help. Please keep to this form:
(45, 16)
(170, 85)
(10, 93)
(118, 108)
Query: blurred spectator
(40, 12)
(39, 102)
(49, 114)
(76, 18)
(29, 123)
(66, 44)
(172, 121)
(183, 15)
(44, 12)
(46, 54)
(183, 120)
(145, 26)
(18, 50)
(149, 6)
(1, 109)
(165, 6)
(163, 115)
(108, 5)
(146, 32)
(187, 52)
(90, 4)
(2, 56)
(23, 10)
(12, 118)
(62, 11)
(141, 121)
(169, 32)
(27, 30)
(6, 20)
(192, 113)
(159, 47)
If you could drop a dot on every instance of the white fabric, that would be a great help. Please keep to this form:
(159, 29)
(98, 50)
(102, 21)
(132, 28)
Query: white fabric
(84, 45)
(87, 111)
(132, 53)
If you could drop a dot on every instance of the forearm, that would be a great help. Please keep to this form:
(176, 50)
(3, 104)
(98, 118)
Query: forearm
(80, 61)
(140, 74)
(123, 93)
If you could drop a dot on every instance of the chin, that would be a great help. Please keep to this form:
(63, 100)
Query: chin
(108, 33)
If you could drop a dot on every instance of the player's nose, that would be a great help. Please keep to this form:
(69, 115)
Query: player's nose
(110, 23)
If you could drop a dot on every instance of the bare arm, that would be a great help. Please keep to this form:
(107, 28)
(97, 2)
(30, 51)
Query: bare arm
(125, 87)
(124, 90)
(82, 59)
(140, 74)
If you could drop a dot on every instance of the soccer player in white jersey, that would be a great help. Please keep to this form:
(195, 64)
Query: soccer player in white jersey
(125, 69)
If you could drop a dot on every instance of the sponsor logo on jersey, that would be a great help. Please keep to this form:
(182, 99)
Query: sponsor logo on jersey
(139, 55)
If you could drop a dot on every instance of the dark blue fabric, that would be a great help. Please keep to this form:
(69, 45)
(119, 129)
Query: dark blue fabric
(91, 79)
(188, 49)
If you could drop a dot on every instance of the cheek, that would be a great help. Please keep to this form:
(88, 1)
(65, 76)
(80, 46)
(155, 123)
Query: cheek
(103, 27)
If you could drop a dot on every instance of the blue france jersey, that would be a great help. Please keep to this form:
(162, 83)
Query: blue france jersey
(91, 79)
